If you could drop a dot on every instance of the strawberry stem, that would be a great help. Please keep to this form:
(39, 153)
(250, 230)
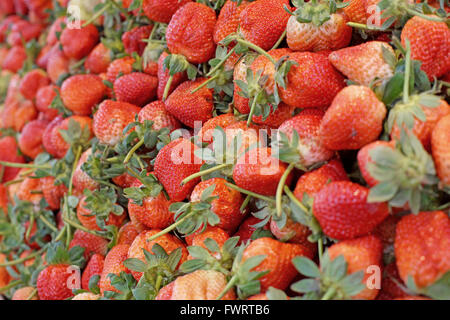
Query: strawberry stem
(221, 63)
(229, 285)
(10, 183)
(167, 88)
(253, 194)
(281, 184)
(47, 223)
(97, 15)
(170, 228)
(425, 16)
(320, 248)
(23, 165)
(407, 73)
(257, 49)
(17, 261)
(133, 150)
(79, 226)
(329, 293)
(205, 83)
(253, 109)
(12, 284)
(30, 227)
(294, 199)
(74, 167)
(280, 39)
(32, 294)
(245, 203)
(204, 172)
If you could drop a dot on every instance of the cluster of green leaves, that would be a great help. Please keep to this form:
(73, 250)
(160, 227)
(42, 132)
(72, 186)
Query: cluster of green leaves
(57, 253)
(101, 203)
(150, 188)
(316, 12)
(439, 290)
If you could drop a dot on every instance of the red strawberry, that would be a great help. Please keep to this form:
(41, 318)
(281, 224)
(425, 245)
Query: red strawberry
(93, 267)
(258, 171)
(98, 60)
(15, 59)
(363, 63)
(441, 150)
(262, 22)
(110, 120)
(359, 108)
(430, 43)
(190, 32)
(156, 112)
(246, 229)
(360, 254)
(113, 264)
(162, 10)
(215, 233)
(90, 242)
(52, 282)
(132, 40)
(52, 193)
(8, 152)
(32, 82)
(293, 232)
(163, 77)
(313, 83)
(4, 199)
(44, 98)
(191, 107)
(56, 27)
(48, 134)
(206, 132)
(175, 162)
(343, 211)
(78, 43)
(127, 234)
(30, 141)
(364, 158)
(119, 66)
(421, 247)
(80, 93)
(81, 180)
(228, 20)
(136, 88)
(391, 284)
(58, 64)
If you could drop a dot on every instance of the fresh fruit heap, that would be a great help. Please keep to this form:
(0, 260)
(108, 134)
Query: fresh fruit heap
(268, 149)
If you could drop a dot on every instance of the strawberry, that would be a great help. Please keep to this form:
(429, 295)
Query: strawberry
(262, 22)
(7, 7)
(175, 162)
(58, 64)
(162, 10)
(163, 77)
(15, 59)
(93, 267)
(360, 109)
(168, 242)
(4, 274)
(343, 212)
(80, 93)
(306, 125)
(228, 20)
(32, 82)
(430, 43)
(25, 293)
(132, 40)
(441, 150)
(8, 152)
(78, 43)
(206, 132)
(191, 107)
(156, 112)
(292, 232)
(312, 83)
(247, 228)
(226, 206)
(421, 248)
(44, 98)
(52, 193)
(121, 66)
(111, 119)
(313, 181)
(315, 26)
(81, 180)
(30, 141)
(363, 63)
(56, 27)
(98, 60)
(364, 159)
(190, 32)
(360, 254)
(90, 242)
(217, 234)
(277, 260)
(23, 31)
(391, 284)
(95, 207)
(25, 112)
(113, 264)
(357, 11)
(136, 88)
(259, 171)
(127, 234)
(4, 199)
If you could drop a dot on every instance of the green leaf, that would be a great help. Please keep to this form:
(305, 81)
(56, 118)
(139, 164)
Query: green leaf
(305, 285)
(440, 290)
(135, 264)
(306, 266)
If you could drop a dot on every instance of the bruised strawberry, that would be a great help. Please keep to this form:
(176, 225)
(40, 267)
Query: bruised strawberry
(30, 141)
(136, 88)
(78, 43)
(98, 60)
(132, 40)
(343, 212)
(93, 267)
(113, 264)
(156, 112)
(162, 10)
(190, 32)
(52, 193)
(8, 153)
(44, 98)
(441, 150)
(32, 82)
(80, 93)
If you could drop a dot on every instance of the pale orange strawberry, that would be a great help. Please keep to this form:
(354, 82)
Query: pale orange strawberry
(441, 149)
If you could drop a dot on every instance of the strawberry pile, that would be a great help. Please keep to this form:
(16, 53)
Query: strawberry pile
(226, 149)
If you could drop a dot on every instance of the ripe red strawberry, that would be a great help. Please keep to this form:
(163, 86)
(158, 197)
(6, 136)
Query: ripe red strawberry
(262, 22)
(228, 20)
(313, 83)
(80, 93)
(175, 162)
(98, 60)
(246, 229)
(191, 107)
(278, 261)
(127, 234)
(58, 64)
(293, 232)
(5, 277)
(362, 113)
(215, 233)
(343, 212)
(8, 152)
(30, 141)
(48, 134)
(421, 247)
(44, 98)
(356, 11)
(441, 150)
(167, 241)
(119, 66)
(326, 30)
(162, 10)
(52, 193)
(282, 113)
(113, 264)
(7, 7)
(258, 171)
(360, 254)
(93, 267)
(190, 32)
(110, 120)
(364, 158)
(4, 199)
(15, 59)
(136, 88)
(226, 206)
(81, 180)
(91, 242)
(132, 40)
(32, 82)
(156, 112)
(391, 284)
(313, 181)
(52, 282)
(78, 43)
(163, 77)
(307, 125)
(363, 63)
(430, 43)
(56, 27)
(206, 132)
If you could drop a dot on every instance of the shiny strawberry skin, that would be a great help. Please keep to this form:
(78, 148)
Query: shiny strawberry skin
(44, 98)
(154, 212)
(98, 60)
(32, 82)
(127, 233)
(78, 43)
(91, 242)
(162, 10)
(119, 66)
(136, 88)
(52, 283)
(93, 267)
(113, 264)
(30, 141)
(228, 20)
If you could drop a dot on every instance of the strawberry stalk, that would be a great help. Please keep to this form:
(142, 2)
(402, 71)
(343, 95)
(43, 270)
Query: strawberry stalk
(167, 87)
(204, 172)
(133, 150)
(47, 223)
(21, 260)
(221, 63)
(97, 15)
(281, 184)
(23, 165)
(32, 294)
(253, 109)
(74, 167)
(228, 287)
(294, 199)
(245, 203)
(257, 49)
(283, 35)
(407, 73)
(205, 83)
(79, 226)
(329, 293)
(30, 227)
(171, 227)
(12, 182)
(12, 284)
(249, 193)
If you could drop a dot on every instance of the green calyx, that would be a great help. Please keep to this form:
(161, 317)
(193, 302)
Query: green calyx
(151, 188)
(58, 254)
(101, 204)
(439, 290)
(316, 12)
(404, 173)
